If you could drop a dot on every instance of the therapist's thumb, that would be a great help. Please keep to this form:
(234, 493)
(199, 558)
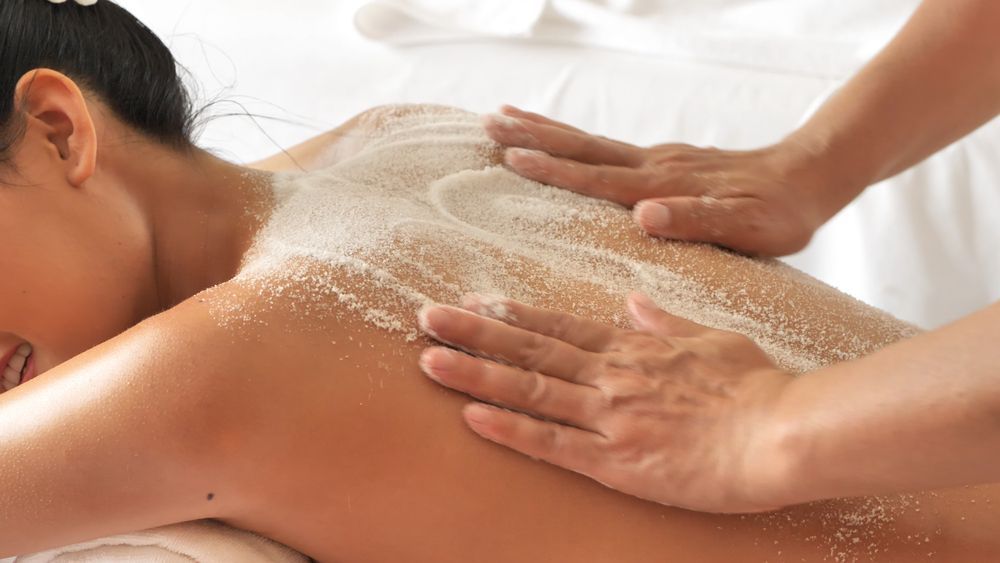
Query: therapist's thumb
(737, 223)
(702, 219)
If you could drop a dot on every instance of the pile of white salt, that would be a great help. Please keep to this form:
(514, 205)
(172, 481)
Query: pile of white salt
(423, 212)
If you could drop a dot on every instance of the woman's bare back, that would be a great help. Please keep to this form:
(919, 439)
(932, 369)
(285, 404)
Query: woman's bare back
(356, 456)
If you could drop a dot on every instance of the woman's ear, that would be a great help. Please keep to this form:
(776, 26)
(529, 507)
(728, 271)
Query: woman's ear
(52, 101)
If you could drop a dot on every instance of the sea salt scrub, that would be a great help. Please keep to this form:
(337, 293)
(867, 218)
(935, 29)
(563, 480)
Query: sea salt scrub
(423, 211)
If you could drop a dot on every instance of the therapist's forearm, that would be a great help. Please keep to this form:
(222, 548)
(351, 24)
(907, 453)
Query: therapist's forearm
(937, 81)
(921, 414)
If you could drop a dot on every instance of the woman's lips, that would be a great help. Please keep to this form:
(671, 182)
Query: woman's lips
(15, 366)
(6, 360)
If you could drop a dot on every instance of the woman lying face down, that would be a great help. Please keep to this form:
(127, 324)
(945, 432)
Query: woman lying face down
(215, 341)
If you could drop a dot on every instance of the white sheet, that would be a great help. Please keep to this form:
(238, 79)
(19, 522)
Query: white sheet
(802, 36)
(194, 542)
(431, 21)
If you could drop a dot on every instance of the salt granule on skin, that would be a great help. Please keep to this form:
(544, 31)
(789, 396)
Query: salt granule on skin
(492, 306)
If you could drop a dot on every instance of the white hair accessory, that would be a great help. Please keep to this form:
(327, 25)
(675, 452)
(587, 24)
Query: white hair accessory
(80, 2)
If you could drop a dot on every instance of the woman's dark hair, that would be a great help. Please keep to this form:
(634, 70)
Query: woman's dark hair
(107, 51)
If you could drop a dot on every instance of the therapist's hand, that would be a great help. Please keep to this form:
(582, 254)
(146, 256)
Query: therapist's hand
(763, 202)
(672, 412)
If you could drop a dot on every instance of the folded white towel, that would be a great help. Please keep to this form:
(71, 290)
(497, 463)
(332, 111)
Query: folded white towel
(810, 37)
(201, 542)
(428, 21)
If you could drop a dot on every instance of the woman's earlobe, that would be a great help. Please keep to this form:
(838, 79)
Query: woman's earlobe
(82, 153)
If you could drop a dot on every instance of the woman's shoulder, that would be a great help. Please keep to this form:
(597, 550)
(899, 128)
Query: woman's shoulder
(213, 340)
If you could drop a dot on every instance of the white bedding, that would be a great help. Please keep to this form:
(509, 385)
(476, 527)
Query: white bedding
(729, 73)
(199, 542)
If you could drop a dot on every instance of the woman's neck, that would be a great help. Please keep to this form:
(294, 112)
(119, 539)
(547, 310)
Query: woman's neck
(203, 214)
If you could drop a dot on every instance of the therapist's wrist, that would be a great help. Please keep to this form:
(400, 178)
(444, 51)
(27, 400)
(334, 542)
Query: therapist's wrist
(781, 469)
(824, 180)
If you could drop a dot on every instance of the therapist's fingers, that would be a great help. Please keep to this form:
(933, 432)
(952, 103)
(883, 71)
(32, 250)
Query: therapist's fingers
(528, 392)
(622, 185)
(582, 333)
(494, 339)
(567, 447)
(518, 113)
(557, 141)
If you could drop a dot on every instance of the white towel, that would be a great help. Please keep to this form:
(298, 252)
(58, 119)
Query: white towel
(200, 542)
(402, 22)
(809, 37)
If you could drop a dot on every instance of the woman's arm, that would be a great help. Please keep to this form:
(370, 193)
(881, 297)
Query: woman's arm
(921, 414)
(121, 438)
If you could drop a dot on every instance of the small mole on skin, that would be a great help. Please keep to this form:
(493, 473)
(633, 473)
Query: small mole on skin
(210, 496)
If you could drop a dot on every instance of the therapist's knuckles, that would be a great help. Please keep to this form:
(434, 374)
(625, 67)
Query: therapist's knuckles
(535, 352)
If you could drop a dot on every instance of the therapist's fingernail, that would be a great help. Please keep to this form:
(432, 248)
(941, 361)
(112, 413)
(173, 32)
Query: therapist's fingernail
(432, 318)
(503, 121)
(652, 216)
(434, 361)
(526, 161)
(509, 130)
(478, 414)
(525, 154)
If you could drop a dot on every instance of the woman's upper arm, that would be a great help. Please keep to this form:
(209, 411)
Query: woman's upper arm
(117, 439)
